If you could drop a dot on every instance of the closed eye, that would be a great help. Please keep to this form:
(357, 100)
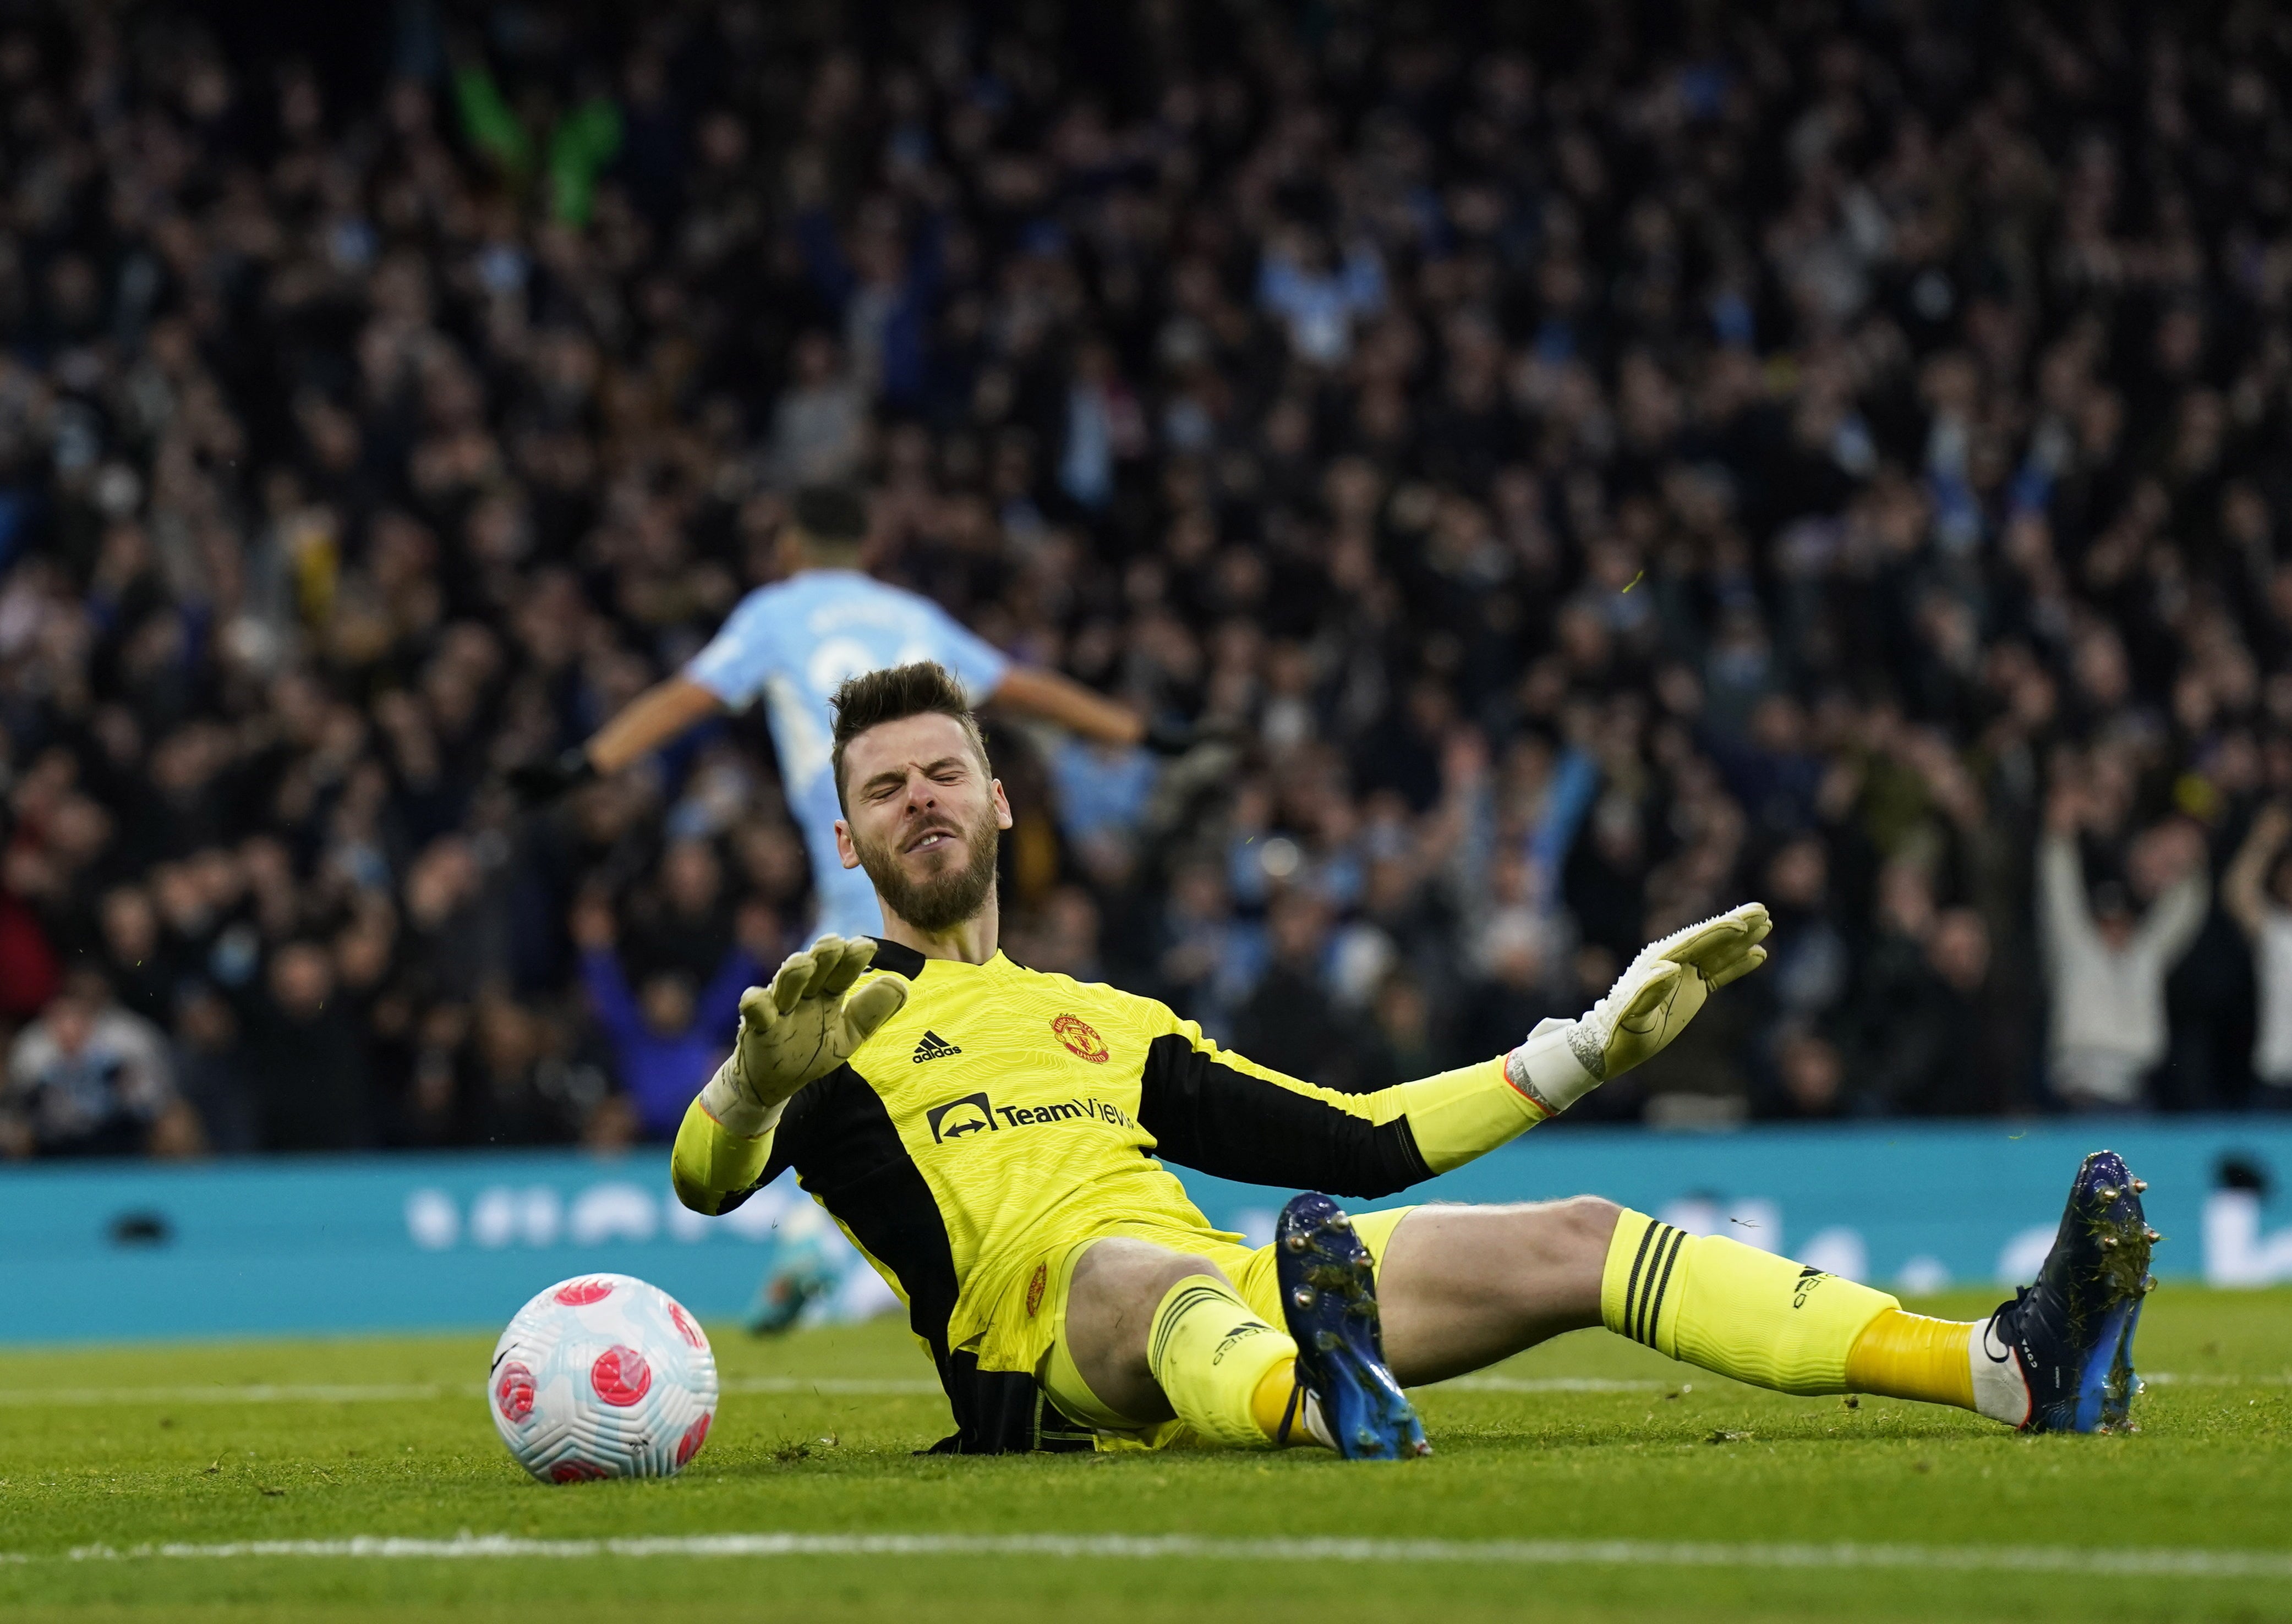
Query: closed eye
(946, 770)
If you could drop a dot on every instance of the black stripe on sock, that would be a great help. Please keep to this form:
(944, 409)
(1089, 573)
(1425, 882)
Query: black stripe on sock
(1663, 1284)
(1660, 1286)
(1632, 1286)
(1642, 1278)
(1188, 1301)
(1642, 1327)
(1169, 1319)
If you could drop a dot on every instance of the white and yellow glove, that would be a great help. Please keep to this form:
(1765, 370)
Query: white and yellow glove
(1650, 1004)
(800, 1028)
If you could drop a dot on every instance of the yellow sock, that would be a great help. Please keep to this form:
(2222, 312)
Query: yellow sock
(1908, 1355)
(1213, 1356)
(1278, 1406)
(1734, 1309)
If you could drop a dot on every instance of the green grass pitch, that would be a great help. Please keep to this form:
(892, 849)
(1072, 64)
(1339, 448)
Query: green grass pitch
(1737, 1504)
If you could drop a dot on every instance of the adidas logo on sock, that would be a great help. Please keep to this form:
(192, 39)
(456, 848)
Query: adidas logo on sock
(932, 1047)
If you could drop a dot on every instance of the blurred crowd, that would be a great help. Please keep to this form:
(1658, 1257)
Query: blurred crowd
(1609, 461)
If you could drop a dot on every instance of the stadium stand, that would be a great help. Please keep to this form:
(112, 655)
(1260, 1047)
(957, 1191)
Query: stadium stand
(1607, 460)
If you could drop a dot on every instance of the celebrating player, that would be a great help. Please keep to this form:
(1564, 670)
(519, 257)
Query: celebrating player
(988, 1136)
(791, 642)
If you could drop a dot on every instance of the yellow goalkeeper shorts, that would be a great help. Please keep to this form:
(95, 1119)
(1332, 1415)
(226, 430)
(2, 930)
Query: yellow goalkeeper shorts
(1027, 1330)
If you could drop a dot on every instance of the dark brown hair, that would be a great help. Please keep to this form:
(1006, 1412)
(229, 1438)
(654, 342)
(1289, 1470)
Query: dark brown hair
(891, 695)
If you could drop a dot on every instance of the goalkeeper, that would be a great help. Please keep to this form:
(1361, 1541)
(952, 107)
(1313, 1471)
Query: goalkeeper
(992, 1139)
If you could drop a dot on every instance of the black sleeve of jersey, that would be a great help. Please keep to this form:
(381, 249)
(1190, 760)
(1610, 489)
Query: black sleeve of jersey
(1207, 1115)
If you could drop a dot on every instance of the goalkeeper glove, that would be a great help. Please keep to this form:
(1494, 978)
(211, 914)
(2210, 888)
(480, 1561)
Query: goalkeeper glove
(800, 1028)
(1650, 1004)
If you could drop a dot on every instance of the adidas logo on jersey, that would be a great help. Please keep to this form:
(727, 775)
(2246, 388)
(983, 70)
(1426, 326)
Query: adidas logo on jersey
(932, 1047)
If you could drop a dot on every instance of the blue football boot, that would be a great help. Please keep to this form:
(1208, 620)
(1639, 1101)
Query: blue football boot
(2072, 1330)
(1328, 1296)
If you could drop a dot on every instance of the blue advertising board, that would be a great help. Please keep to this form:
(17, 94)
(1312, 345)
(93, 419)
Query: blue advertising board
(102, 1252)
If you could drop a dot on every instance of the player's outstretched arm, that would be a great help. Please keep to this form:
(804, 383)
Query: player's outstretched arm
(1461, 1114)
(668, 708)
(1054, 697)
(647, 722)
(710, 1167)
(1228, 1116)
(794, 1032)
(1658, 992)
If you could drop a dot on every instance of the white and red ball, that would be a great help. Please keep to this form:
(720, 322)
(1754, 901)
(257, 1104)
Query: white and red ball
(602, 1376)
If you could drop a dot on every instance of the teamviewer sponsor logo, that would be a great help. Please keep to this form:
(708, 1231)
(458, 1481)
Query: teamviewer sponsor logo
(959, 1119)
(1062, 1110)
(970, 1114)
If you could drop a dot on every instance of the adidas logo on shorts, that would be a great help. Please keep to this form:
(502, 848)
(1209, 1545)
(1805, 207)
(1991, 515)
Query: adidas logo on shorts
(932, 1047)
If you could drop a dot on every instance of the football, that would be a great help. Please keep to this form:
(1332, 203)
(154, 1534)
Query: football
(602, 1376)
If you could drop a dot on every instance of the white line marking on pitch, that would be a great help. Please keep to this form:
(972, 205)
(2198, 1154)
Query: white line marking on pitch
(1541, 1384)
(873, 1386)
(1599, 1384)
(252, 1393)
(273, 1393)
(825, 1386)
(268, 1393)
(2159, 1564)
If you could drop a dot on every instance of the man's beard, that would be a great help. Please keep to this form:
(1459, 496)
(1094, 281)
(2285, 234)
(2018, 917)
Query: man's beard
(946, 899)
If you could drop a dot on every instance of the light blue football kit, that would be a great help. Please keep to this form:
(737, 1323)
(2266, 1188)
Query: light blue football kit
(792, 643)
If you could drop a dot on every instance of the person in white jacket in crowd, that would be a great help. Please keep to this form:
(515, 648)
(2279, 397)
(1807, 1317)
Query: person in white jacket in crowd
(89, 1079)
(2257, 893)
(2106, 965)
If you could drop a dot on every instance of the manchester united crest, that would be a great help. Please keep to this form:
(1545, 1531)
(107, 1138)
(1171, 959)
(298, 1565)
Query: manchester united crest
(1081, 1037)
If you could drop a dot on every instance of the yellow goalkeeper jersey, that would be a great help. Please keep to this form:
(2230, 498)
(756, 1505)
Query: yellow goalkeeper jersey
(1004, 1111)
